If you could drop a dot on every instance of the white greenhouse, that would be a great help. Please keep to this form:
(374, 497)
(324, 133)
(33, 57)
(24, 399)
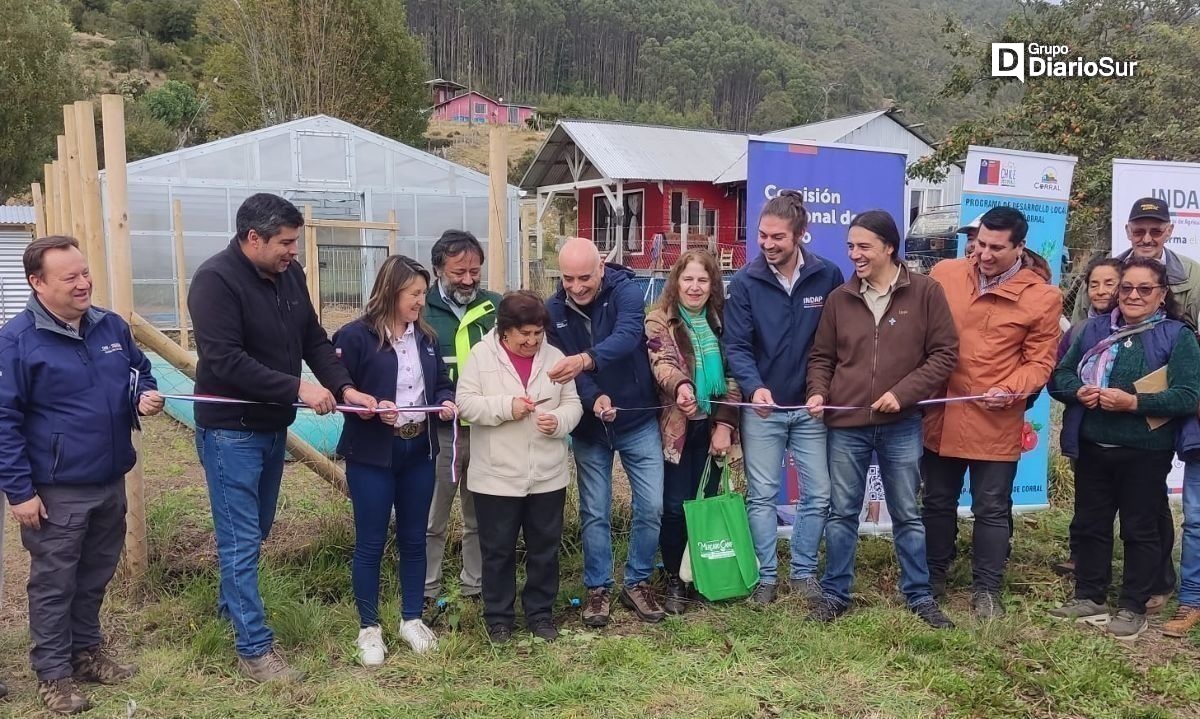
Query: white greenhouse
(341, 171)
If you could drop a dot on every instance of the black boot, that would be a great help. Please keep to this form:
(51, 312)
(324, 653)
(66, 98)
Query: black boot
(675, 599)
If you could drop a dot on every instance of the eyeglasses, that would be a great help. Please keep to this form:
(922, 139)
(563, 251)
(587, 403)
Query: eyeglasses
(1154, 232)
(1142, 290)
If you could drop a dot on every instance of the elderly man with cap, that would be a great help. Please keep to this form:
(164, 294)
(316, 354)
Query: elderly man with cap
(1149, 229)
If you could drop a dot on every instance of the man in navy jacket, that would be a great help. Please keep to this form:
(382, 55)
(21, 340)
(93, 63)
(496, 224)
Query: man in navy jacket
(771, 316)
(72, 382)
(597, 319)
(254, 324)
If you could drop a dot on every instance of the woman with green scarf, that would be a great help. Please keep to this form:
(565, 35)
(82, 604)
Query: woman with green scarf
(683, 336)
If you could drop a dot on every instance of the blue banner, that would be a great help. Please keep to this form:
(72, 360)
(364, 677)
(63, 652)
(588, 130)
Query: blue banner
(837, 182)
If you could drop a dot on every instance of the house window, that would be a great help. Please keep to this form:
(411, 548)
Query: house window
(710, 223)
(514, 115)
(480, 108)
(609, 227)
(676, 211)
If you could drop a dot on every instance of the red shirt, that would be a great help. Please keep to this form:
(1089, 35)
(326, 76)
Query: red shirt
(523, 365)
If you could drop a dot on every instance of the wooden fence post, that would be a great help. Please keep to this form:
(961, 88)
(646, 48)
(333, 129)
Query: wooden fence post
(85, 129)
(39, 210)
(112, 110)
(497, 212)
(180, 271)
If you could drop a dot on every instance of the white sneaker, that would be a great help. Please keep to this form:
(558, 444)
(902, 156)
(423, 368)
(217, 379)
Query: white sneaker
(371, 649)
(420, 637)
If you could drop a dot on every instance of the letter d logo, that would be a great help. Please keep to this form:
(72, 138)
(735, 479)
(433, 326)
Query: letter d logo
(1008, 60)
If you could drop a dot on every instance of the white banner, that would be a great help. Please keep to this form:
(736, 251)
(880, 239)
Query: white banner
(1016, 173)
(1178, 183)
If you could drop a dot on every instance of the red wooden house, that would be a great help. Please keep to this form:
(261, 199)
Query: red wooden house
(645, 192)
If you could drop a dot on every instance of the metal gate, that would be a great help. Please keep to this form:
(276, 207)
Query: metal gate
(347, 275)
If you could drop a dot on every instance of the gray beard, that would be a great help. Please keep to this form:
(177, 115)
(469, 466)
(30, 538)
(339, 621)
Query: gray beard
(458, 297)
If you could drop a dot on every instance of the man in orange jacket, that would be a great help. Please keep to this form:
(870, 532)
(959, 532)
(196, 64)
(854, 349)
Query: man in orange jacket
(1006, 314)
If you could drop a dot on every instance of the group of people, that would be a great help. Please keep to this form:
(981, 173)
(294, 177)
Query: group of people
(929, 375)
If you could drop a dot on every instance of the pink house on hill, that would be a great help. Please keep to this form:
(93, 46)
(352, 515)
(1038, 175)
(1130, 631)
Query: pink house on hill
(452, 103)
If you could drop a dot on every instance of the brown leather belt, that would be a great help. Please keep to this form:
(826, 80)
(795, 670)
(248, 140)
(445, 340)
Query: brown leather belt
(409, 430)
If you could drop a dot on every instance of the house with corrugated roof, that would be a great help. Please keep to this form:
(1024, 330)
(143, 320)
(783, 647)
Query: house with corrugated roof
(647, 192)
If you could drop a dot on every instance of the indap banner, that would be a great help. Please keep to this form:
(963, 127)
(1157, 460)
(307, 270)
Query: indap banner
(1178, 184)
(837, 182)
(1038, 185)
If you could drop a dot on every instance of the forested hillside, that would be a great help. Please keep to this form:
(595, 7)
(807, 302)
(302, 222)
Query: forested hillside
(738, 64)
(196, 70)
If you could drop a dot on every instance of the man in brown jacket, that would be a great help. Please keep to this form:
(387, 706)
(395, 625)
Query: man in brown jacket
(886, 341)
(1007, 315)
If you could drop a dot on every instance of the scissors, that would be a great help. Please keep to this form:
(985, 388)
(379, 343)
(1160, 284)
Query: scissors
(544, 400)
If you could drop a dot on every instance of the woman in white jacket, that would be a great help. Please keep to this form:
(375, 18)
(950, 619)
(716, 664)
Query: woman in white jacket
(519, 425)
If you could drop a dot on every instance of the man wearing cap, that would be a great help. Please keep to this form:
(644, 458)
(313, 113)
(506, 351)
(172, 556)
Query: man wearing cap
(971, 229)
(1148, 229)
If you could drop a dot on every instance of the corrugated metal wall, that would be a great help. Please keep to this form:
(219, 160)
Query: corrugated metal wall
(14, 290)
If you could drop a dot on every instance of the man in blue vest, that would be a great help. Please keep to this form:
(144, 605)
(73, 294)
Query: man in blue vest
(461, 312)
(72, 384)
(598, 320)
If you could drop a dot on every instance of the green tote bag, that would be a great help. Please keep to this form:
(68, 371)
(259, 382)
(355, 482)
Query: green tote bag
(719, 547)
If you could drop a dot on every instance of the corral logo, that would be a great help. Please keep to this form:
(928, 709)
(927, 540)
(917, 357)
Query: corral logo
(1049, 180)
(716, 549)
(814, 302)
(997, 173)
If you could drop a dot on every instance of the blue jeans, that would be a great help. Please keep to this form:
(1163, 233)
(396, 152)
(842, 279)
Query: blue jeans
(642, 457)
(1189, 562)
(243, 470)
(898, 447)
(407, 487)
(763, 443)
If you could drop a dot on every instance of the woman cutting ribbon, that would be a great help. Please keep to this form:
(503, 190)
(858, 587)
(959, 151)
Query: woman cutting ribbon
(392, 353)
(520, 421)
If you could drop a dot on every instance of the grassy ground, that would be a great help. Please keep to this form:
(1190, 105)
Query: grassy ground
(727, 661)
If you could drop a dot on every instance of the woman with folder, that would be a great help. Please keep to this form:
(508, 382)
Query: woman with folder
(519, 425)
(1128, 380)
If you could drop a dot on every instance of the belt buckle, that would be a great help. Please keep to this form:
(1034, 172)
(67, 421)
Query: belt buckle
(409, 430)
